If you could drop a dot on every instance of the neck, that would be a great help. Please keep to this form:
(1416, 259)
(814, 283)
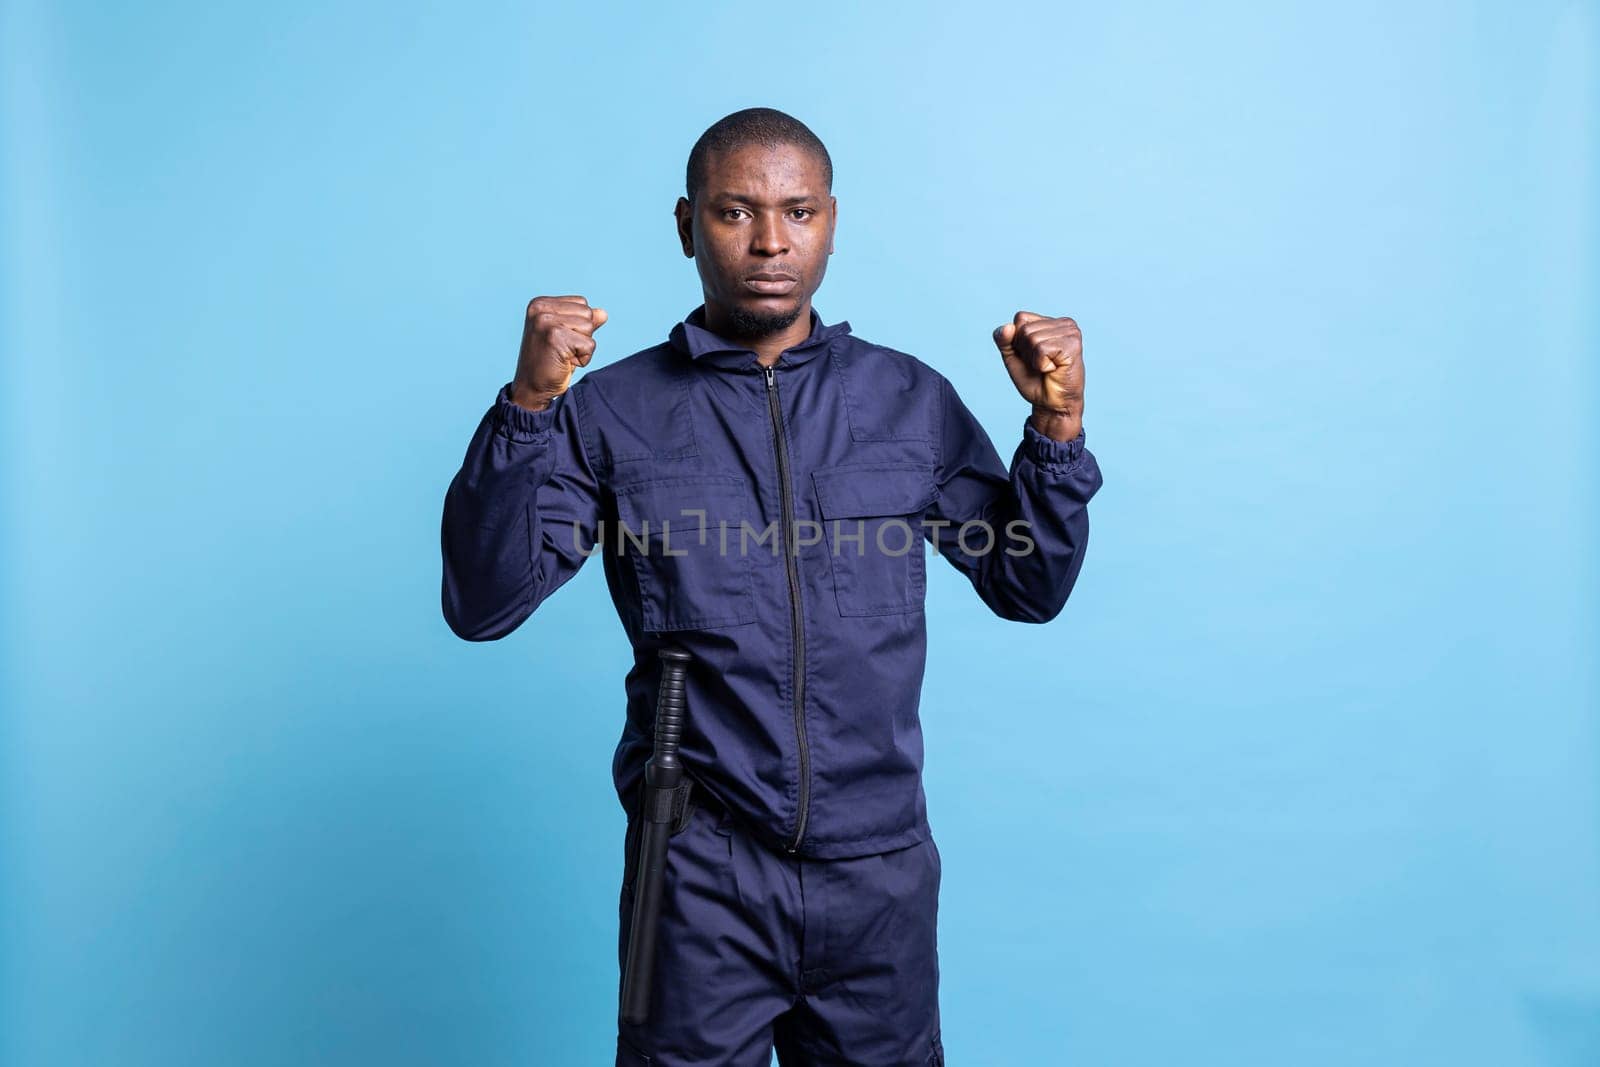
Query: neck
(767, 347)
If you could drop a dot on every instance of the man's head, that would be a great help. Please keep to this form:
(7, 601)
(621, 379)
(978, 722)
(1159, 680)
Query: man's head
(759, 202)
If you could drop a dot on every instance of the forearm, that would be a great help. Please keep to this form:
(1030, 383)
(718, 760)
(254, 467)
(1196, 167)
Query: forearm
(1028, 524)
(1042, 528)
(521, 489)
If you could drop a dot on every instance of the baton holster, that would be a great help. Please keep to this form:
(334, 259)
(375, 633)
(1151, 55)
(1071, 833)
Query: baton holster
(676, 806)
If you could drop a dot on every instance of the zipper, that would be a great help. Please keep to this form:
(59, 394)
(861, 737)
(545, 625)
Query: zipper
(795, 621)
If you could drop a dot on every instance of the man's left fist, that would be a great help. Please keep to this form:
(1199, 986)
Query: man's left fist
(1045, 358)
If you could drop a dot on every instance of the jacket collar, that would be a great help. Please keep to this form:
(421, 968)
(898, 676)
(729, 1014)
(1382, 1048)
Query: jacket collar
(693, 339)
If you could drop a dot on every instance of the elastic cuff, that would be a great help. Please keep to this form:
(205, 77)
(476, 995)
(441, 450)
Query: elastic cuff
(517, 423)
(1047, 451)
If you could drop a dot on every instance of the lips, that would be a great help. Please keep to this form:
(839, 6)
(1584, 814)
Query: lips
(771, 284)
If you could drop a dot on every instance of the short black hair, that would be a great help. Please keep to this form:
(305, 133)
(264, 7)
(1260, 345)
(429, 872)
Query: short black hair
(753, 125)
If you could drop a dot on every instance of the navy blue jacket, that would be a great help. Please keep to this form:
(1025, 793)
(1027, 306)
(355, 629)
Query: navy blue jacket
(771, 522)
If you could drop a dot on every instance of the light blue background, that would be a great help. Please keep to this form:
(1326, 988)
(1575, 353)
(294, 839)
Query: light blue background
(1307, 773)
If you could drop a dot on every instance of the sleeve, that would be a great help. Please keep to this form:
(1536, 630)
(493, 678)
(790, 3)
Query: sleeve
(1019, 537)
(520, 516)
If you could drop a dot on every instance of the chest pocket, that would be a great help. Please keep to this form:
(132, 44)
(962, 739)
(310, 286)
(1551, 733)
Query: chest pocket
(671, 529)
(873, 534)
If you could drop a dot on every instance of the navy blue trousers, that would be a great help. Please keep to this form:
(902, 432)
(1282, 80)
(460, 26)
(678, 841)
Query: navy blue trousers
(827, 961)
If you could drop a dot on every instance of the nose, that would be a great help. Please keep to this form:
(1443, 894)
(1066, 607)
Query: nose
(768, 237)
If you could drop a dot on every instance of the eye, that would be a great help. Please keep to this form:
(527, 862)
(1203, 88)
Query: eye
(728, 212)
(804, 211)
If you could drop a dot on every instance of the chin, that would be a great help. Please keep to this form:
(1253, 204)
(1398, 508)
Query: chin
(759, 316)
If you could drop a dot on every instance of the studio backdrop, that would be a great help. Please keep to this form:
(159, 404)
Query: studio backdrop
(1308, 770)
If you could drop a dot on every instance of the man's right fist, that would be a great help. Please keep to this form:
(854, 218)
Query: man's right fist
(557, 337)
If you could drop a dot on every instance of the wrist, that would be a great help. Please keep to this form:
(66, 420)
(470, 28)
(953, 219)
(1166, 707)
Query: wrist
(1056, 425)
(531, 399)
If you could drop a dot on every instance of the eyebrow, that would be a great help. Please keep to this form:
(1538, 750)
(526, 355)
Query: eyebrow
(755, 200)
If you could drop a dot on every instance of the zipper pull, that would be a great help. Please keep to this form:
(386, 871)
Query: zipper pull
(770, 383)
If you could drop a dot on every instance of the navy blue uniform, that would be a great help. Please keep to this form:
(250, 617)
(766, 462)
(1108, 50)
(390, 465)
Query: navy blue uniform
(771, 522)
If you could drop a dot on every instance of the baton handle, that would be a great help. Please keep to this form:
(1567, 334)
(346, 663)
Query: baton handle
(662, 774)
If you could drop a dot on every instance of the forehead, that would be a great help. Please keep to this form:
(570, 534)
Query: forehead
(759, 170)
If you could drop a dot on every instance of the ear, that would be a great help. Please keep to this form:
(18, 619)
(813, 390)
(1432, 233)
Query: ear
(833, 201)
(685, 216)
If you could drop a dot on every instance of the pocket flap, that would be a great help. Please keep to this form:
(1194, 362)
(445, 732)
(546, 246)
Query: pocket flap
(864, 489)
(677, 502)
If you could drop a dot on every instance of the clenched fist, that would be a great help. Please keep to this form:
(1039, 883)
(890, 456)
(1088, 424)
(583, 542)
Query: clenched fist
(557, 338)
(1045, 358)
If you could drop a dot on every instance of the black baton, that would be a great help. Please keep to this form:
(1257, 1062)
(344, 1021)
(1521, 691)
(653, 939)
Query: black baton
(662, 775)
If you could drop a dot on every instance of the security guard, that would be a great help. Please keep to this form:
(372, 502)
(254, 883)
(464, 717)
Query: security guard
(758, 487)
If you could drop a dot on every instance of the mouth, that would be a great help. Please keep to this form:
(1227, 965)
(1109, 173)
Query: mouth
(771, 284)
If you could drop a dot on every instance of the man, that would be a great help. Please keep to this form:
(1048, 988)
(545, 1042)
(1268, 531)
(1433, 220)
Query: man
(758, 487)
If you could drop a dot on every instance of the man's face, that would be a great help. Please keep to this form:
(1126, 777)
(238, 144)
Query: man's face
(761, 212)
